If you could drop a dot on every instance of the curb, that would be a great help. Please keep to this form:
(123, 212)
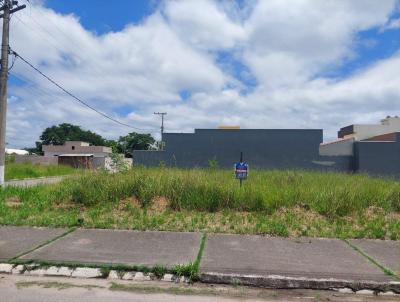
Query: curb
(268, 281)
(284, 282)
(86, 273)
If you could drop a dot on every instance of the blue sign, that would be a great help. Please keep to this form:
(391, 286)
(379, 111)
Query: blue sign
(241, 170)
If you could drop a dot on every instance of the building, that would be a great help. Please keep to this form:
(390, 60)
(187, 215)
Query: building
(76, 147)
(373, 149)
(363, 131)
(347, 136)
(76, 154)
(262, 148)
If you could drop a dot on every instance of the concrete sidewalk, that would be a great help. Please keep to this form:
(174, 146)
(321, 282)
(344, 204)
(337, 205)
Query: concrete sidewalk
(253, 260)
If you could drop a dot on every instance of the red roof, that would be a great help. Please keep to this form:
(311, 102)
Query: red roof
(388, 137)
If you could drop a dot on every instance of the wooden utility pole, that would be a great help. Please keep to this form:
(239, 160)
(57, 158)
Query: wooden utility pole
(7, 9)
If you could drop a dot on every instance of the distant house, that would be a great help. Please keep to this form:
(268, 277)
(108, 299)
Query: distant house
(348, 136)
(77, 154)
(76, 147)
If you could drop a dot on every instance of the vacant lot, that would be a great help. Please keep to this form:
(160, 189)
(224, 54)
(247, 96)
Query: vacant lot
(28, 170)
(285, 203)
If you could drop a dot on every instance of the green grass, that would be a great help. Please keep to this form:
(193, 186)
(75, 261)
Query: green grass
(282, 203)
(28, 170)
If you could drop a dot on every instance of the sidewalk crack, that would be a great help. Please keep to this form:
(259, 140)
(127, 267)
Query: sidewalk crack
(14, 259)
(386, 270)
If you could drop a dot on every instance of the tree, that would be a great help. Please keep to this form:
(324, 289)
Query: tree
(135, 141)
(59, 134)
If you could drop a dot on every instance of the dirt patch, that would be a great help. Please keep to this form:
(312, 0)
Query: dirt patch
(130, 201)
(13, 202)
(373, 211)
(159, 204)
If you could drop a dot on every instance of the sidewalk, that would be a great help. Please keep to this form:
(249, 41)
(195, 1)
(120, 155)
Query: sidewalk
(248, 260)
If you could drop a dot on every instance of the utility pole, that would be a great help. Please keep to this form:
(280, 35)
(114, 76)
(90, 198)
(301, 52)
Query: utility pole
(162, 126)
(7, 8)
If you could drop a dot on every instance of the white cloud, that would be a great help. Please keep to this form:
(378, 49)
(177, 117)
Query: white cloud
(392, 24)
(285, 45)
(203, 23)
(291, 41)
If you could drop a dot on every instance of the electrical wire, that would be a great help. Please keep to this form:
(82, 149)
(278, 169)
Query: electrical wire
(74, 96)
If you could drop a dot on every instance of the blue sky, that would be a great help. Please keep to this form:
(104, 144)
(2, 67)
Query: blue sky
(103, 16)
(260, 64)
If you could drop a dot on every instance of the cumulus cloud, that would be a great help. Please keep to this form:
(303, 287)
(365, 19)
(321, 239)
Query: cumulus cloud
(203, 23)
(170, 62)
(392, 24)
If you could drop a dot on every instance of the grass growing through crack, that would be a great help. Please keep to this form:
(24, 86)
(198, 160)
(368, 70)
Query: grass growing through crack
(283, 203)
(189, 270)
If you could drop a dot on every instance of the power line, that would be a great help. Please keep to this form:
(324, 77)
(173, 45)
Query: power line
(72, 46)
(8, 8)
(73, 96)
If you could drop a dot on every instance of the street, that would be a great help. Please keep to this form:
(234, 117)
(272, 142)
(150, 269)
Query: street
(40, 289)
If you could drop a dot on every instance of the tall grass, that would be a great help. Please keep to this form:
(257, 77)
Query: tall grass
(329, 194)
(28, 170)
(284, 203)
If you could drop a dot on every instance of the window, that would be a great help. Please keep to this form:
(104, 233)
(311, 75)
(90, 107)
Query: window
(73, 147)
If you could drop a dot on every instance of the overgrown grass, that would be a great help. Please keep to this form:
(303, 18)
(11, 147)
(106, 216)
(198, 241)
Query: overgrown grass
(284, 203)
(28, 170)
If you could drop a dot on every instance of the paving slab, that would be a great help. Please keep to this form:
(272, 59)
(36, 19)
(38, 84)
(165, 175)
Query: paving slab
(17, 240)
(385, 252)
(121, 247)
(302, 257)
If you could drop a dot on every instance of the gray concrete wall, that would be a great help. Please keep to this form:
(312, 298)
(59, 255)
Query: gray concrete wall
(378, 158)
(344, 147)
(262, 148)
(37, 159)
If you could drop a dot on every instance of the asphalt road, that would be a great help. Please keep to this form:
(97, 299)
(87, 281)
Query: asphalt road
(48, 289)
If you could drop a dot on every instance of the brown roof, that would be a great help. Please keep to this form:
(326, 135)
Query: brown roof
(337, 141)
(388, 137)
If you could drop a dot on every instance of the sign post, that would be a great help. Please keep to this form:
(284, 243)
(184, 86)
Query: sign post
(241, 169)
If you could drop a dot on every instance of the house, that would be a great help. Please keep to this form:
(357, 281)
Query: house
(76, 147)
(349, 135)
(77, 154)
(375, 148)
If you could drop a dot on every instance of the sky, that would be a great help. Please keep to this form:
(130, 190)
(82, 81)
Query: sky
(258, 64)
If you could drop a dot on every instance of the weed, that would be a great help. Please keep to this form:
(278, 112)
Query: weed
(159, 271)
(281, 203)
(105, 271)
